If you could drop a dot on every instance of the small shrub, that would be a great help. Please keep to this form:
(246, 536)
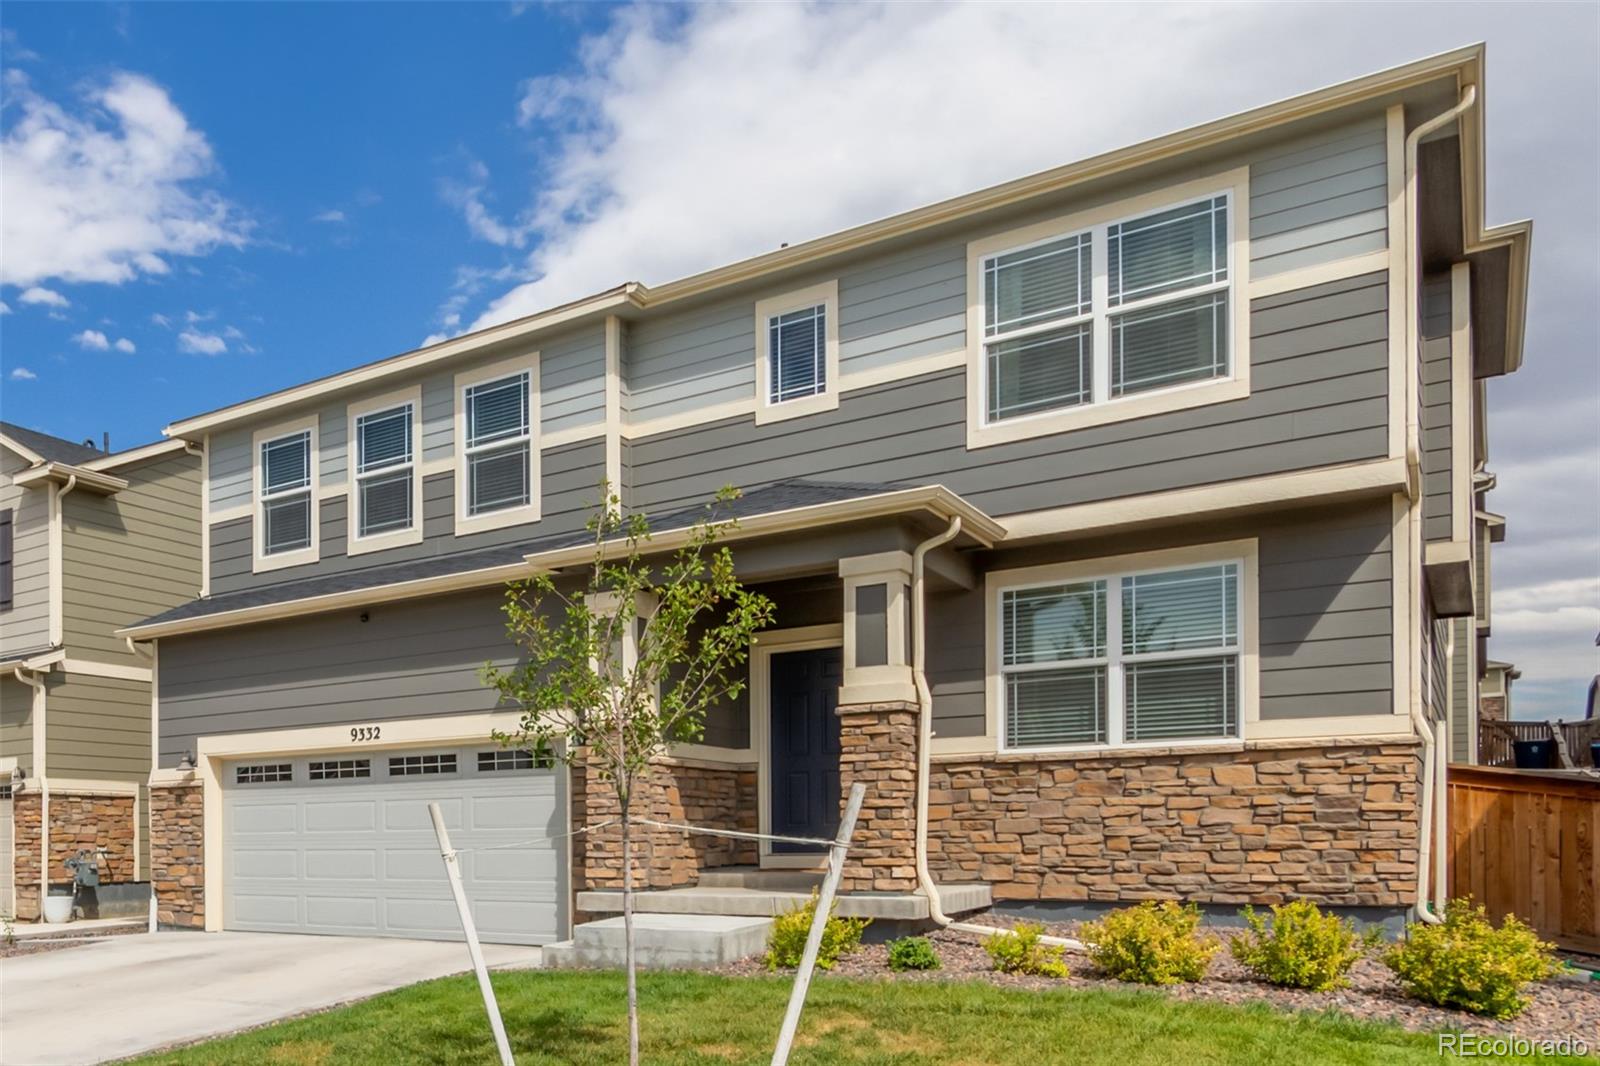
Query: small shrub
(1020, 951)
(1299, 946)
(787, 941)
(1152, 944)
(912, 953)
(1469, 964)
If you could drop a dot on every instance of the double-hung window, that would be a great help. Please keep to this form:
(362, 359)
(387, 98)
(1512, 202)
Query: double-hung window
(385, 468)
(1136, 658)
(797, 353)
(498, 440)
(1076, 322)
(286, 502)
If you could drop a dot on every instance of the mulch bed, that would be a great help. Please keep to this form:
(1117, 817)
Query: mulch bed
(1558, 1007)
(37, 945)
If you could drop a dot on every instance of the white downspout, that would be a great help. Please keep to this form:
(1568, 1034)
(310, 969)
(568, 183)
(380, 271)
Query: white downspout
(925, 744)
(1431, 838)
(30, 677)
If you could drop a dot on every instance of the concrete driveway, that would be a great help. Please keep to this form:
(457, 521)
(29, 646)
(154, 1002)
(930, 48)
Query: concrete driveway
(128, 994)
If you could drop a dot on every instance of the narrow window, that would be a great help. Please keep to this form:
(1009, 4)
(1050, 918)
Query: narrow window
(384, 469)
(7, 561)
(338, 769)
(797, 354)
(263, 773)
(286, 493)
(414, 765)
(499, 439)
(490, 761)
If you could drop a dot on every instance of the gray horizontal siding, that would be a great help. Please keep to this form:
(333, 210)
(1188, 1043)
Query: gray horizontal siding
(409, 660)
(569, 479)
(97, 727)
(1436, 413)
(1319, 383)
(1463, 716)
(16, 723)
(1324, 608)
(1319, 199)
(572, 382)
(228, 455)
(903, 306)
(691, 360)
(27, 624)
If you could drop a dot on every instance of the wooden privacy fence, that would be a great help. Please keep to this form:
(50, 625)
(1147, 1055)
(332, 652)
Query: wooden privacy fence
(1528, 843)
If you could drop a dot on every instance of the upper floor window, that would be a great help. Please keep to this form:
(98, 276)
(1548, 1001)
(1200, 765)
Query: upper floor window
(797, 353)
(1124, 659)
(385, 467)
(498, 441)
(1115, 313)
(7, 559)
(286, 501)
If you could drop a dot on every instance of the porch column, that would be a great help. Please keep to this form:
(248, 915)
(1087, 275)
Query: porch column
(878, 722)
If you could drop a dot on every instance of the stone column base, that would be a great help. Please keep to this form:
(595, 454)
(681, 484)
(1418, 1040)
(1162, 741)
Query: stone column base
(78, 822)
(177, 854)
(878, 747)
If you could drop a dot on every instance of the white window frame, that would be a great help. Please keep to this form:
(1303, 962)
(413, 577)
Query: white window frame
(355, 544)
(825, 295)
(260, 561)
(1234, 186)
(465, 522)
(1242, 553)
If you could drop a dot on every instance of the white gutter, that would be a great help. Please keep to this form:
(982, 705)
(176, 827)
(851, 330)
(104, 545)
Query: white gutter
(1430, 841)
(925, 744)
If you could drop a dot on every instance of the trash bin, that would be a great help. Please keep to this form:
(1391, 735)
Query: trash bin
(1594, 754)
(1533, 754)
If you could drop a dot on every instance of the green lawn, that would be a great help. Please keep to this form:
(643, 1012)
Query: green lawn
(563, 1017)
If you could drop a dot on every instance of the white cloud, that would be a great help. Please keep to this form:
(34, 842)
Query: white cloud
(92, 340)
(329, 216)
(5, 308)
(106, 191)
(195, 343)
(161, 320)
(22, 373)
(125, 346)
(41, 297)
(481, 222)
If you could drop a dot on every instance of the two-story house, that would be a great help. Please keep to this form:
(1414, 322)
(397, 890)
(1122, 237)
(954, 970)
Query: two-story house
(89, 542)
(1119, 519)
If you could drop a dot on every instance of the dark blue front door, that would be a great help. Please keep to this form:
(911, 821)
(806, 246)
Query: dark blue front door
(805, 745)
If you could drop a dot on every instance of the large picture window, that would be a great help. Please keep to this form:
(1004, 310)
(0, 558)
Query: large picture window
(1136, 658)
(1108, 314)
(286, 493)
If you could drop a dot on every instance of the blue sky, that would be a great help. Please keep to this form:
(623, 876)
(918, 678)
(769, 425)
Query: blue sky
(206, 202)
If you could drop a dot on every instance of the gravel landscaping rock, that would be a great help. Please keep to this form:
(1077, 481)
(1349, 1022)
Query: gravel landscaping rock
(1558, 1007)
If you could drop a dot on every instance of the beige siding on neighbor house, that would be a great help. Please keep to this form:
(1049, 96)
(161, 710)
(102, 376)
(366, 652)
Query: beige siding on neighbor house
(16, 721)
(128, 556)
(97, 727)
(26, 625)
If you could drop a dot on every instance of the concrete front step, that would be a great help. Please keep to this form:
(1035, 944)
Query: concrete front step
(762, 902)
(662, 942)
(755, 877)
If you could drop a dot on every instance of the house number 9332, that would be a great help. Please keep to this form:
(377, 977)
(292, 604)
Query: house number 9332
(360, 733)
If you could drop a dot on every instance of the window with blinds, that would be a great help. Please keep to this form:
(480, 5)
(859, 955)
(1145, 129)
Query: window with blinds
(1170, 673)
(498, 443)
(385, 465)
(1115, 310)
(286, 493)
(797, 354)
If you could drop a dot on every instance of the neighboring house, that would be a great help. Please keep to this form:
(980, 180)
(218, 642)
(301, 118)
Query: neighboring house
(89, 542)
(1208, 410)
(1494, 694)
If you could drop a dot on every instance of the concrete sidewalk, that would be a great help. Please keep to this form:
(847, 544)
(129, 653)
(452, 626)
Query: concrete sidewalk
(129, 994)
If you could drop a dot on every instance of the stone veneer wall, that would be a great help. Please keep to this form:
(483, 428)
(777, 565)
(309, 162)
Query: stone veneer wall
(1335, 824)
(675, 790)
(77, 821)
(177, 854)
(878, 747)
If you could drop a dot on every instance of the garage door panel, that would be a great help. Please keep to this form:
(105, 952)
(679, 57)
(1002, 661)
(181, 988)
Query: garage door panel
(357, 855)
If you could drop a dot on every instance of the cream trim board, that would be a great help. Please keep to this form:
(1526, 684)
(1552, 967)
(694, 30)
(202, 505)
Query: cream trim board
(685, 419)
(905, 368)
(827, 295)
(356, 544)
(90, 668)
(260, 561)
(90, 786)
(1234, 184)
(768, 644)
(1348, 481)
(1321, 274)
(205, 516)
(1244, 552)
(744, 757)
(213, 751)
(531, 511)
(53, 566)
(243, 510)
(1461, 413)
(1400, 392)
(560, 438)
(613, 392)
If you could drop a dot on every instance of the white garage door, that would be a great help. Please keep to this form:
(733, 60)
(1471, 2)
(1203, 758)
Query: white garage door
(342, 843)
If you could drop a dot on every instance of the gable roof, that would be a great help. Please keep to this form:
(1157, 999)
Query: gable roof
(45, 448)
